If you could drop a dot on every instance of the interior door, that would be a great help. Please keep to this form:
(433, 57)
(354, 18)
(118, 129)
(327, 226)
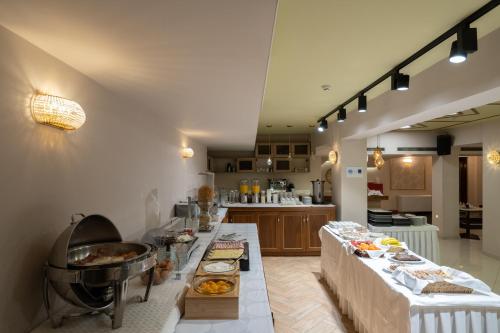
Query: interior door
(294, 231)
(269, 225)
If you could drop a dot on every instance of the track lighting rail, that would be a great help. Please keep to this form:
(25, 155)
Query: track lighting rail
(438, 40)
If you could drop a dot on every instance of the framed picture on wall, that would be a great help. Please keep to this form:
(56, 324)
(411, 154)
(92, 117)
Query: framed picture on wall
(407, 173)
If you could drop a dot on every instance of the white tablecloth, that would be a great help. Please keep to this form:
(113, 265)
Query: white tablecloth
(377, 303)
(422, 240)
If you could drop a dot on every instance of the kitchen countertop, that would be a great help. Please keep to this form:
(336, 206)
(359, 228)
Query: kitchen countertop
(162, 312)
(272, 205)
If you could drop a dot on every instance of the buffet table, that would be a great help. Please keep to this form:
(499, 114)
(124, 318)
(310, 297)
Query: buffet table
(422, 240)
(162, 312)
(377, 303)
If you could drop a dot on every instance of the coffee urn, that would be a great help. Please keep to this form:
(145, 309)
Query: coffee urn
(318, 190)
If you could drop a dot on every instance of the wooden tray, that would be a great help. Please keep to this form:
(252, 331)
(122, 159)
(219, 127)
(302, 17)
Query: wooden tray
(201, 272)
(225, 306)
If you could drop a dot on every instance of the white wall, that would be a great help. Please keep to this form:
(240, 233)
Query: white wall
(123, 163)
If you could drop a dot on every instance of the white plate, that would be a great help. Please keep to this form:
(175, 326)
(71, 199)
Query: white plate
(218, 267)
(407, 262)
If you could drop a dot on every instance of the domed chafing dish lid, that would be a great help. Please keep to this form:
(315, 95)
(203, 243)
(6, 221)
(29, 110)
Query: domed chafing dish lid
(89, 230)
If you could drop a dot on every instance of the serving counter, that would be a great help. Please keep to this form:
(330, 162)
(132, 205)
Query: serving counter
(378, 303)
(284, 229)
(162, 312)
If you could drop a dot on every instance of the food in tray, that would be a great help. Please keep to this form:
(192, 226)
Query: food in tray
(184, 238)
(225, 254)
(428, 274)
(406, 257)
(218, 267)
(365, 245)
(215, 287)
(101, 259)
(161, 273)
(228, 245)
(390, 241)
(395, 249)
(392, 267)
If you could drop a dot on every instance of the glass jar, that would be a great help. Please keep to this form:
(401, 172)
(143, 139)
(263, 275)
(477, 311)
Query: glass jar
(244, 186)
(255, 186)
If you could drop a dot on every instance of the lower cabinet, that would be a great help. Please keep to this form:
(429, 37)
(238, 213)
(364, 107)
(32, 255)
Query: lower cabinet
(286, 231)
(269, 228)
(294, 232)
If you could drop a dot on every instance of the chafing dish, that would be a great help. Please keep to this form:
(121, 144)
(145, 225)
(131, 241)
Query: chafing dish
(98, 285)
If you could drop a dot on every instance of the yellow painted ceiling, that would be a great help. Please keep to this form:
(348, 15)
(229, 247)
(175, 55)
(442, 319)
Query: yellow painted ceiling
(349, 44)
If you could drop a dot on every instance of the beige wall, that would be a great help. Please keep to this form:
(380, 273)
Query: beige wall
(488, 134)
(475, 180)
(123, 163)
(384, 176)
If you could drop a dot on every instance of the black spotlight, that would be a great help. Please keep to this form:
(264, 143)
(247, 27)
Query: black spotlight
(466, 43)
(323, 125)
(457, 55)
(341, 115)
(362, 103)
(400, 81)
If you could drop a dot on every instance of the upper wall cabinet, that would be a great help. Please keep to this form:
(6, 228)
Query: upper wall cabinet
(281, 149)
(263, 150)
(245, 165)
(301, 149)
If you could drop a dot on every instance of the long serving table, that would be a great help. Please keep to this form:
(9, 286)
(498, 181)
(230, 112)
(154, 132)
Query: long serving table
(255, 312)
(423, 240)
(162, 312)
(377, 303)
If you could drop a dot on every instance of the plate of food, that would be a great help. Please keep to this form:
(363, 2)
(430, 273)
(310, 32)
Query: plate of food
(406, 258)
(218, 267)
(366, 248)
(214, 286)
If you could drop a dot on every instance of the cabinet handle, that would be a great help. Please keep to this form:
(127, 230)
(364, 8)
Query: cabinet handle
(278, 219)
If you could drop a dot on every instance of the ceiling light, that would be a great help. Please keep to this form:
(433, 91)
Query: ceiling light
(400, 81)
(326, 87)
(341, 115)
(362, 103)
(57, 111)
(405, 127)
(467, 39)
(457, 55)
(323, 125)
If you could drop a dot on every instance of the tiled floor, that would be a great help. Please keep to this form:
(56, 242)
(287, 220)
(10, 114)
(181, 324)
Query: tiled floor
(466, 255)
(302, 303)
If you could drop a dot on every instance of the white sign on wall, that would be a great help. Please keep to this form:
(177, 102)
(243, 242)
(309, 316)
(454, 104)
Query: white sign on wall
(354, 172)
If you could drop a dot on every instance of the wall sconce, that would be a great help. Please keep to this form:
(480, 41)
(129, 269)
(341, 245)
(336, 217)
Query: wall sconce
(493, 157)
(187, 152)
(57, 112)
(333, 157)
(407, 161)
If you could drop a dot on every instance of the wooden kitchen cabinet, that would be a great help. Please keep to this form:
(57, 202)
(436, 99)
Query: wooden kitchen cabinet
(242, 217)
(286, 230)
(294, 231)
(269, 228)
(314, 221)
